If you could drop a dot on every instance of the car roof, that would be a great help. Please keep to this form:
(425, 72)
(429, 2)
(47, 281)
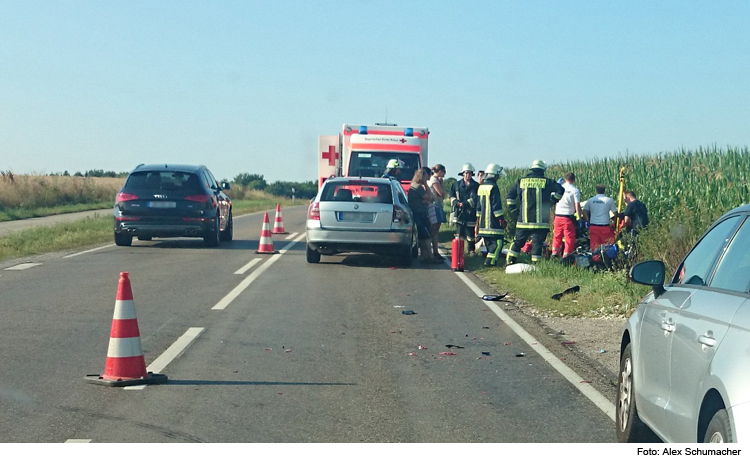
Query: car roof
(358, 179)
(741, 209)
(167, 167)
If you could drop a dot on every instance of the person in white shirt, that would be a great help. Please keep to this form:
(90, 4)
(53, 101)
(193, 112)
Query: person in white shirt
(599, 209)
(568, 214)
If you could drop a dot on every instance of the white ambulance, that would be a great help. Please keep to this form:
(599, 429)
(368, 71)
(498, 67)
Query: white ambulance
(364, 151)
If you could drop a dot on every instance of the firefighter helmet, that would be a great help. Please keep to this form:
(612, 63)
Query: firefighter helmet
(467, 168)
(538, 165)
(493, 170)
(393, 163)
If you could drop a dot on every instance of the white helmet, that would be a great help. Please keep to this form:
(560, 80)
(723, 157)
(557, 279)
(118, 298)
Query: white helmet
(467, 168)
(538, 164)
(393, 163)
(493, 170)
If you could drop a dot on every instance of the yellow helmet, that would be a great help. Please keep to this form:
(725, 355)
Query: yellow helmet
(393, 163)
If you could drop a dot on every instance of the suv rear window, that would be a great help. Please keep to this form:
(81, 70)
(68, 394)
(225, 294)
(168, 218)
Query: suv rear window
(364, 192)
(163, 181)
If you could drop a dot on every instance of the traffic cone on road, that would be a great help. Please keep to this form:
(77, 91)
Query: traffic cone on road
(278, 223)
(125, 364)
(265, 245)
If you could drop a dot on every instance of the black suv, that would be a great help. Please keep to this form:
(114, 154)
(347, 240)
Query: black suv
(173, 201)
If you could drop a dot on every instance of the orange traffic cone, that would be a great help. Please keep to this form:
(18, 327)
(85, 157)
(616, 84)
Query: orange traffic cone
(278, 223)
(125, 365)
(265, 245)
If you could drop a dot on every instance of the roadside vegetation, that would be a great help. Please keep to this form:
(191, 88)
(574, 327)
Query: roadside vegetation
(685, 192)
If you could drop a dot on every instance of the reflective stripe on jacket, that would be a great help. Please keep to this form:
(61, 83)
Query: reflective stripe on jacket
(489, 209)
(535, 194)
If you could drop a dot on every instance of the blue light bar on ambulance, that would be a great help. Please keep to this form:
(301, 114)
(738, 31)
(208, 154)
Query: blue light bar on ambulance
(409, 132)
(363, 129)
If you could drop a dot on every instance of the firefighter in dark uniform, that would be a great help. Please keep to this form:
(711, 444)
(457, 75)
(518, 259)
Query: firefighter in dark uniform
(490, 218)
(535, 194)
(464, 206)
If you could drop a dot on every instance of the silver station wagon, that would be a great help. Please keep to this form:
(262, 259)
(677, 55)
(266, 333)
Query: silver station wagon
(685, 361)
(369, 215)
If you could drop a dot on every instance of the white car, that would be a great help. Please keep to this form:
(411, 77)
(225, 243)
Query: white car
(685, 361)
(370, 215)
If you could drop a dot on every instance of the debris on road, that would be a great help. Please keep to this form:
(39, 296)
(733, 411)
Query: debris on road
(494, 297)
(450, 345)
(569, 342)
(602, 351)
(408, 313)
(571, 290)
(520, 354)
(448, 353)
(486, 354)
(421, 347)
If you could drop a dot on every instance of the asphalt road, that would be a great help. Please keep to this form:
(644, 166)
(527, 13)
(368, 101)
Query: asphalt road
(285, 352)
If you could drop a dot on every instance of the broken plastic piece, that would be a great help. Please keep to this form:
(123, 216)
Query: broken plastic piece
(408, 313)
(453, 346)
(421, 347)
(486, 354)
(602, 351)
(287, 351)
(520, 354)
(412, 354)
(494, 297)
(571, 290)
(447, 353)
(569, 342)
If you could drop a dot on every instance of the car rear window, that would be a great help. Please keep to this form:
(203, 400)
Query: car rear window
(163, 181)
(364, 192)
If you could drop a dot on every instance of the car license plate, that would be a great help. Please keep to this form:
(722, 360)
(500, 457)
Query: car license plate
(162, 204)
(355, 217)
(583, 261)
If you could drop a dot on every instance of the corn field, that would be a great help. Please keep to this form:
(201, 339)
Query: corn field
(684, 191)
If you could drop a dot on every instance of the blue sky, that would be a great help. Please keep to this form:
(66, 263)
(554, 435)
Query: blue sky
(248, 86)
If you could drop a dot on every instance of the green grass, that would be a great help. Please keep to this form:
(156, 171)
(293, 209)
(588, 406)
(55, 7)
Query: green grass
(601, 294)
(91, 231)
(16, 213)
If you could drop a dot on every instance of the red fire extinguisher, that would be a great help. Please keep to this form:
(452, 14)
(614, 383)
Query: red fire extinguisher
(457, 254)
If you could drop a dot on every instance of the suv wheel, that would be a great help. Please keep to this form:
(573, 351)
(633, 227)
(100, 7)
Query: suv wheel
(312, 255)
(628, 426)
(228, 233)
(123, 240)
(212, 238)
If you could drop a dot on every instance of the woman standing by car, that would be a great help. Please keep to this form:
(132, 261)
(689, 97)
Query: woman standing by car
(419, 200)
(436, 185)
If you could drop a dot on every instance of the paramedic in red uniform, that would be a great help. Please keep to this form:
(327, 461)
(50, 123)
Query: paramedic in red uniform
(568, 214)
(599, 209)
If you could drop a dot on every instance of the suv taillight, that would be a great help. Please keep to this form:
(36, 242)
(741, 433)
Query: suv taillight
(313, 212)
(125, 197)
(201, 198)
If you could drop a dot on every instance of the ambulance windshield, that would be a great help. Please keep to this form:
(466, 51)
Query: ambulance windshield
(372, 164)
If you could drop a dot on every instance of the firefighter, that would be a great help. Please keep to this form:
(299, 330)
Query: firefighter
(392, 169)
(490, 218)
(536, 195)
(464, 206)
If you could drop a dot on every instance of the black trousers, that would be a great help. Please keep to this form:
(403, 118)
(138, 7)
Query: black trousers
(465, 230)
(538, 236)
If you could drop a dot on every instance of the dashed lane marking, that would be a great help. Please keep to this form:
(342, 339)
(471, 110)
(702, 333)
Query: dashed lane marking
(586, 389)
(246, 282)
(170, 354)
(23, 266)
(248, 266)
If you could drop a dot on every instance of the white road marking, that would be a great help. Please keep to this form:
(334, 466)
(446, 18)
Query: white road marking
(586, 389)
(78, 440)
(291, 236)
(23, 266)
(242, 270)
(246, 282)
(171, 353)
(88, 251)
